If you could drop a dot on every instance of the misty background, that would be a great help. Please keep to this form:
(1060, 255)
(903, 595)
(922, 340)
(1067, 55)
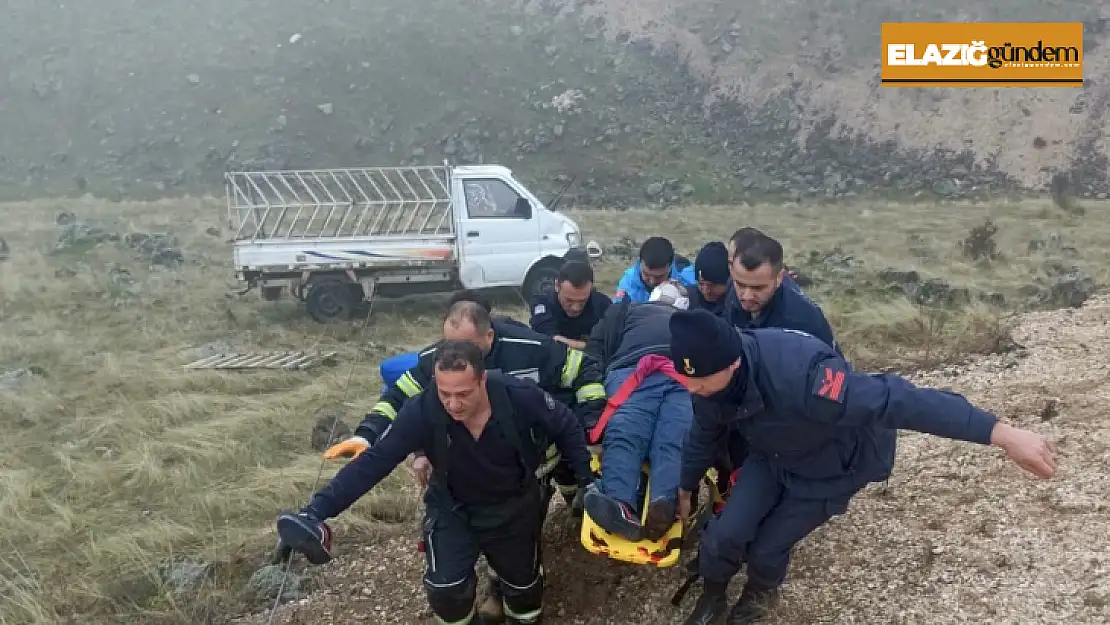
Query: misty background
(641, 101)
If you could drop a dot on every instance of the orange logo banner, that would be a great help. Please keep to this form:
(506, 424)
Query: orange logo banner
(982, 54)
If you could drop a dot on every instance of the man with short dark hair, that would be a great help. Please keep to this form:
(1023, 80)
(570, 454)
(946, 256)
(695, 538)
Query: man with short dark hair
(568, 314)
(485, 433)
(512, 348)
(658, 263)
(819, 433)
(763, 295)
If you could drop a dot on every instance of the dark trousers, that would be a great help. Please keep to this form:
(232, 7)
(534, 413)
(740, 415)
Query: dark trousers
(760, 524)
(507, 534)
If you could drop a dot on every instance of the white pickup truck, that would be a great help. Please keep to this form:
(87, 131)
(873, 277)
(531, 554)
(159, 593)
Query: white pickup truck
(339, 237)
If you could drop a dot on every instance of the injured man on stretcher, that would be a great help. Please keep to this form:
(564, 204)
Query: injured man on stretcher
(646, 420)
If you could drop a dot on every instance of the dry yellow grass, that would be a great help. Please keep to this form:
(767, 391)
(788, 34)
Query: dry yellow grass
(115, 460)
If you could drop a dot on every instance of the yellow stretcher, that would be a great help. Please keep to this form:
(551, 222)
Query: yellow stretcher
(661, 553)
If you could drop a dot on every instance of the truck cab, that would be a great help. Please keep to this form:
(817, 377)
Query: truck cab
(504, 229)
(335, 238)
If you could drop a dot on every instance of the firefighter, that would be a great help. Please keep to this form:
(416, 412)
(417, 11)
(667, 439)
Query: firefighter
(485, 433)
(512, 348)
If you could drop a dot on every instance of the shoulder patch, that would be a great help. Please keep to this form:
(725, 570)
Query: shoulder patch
(549, 400)
(830, 384)
(539, 309)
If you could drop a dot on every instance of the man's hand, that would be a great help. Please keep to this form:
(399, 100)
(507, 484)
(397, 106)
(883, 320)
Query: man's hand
(571, 343)
(1029, 450)
(421, 469)
(350, 448)
(684, 506)
(302, 532)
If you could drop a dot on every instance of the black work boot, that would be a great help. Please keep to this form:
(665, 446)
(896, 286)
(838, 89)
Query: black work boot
(711, 605)
(752, 606)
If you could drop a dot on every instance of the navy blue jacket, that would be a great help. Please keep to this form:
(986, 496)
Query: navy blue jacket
(789, 308)
(628, 332)
(697, 300)
(824, 430)
(549, 318)
(538, 416)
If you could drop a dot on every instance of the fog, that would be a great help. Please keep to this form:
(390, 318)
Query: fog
(672, 101)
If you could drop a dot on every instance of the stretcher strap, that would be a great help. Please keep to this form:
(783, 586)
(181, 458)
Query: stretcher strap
(647, 366)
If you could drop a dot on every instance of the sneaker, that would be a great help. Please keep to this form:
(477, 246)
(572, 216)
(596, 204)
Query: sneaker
(613, 516)
(660, 518)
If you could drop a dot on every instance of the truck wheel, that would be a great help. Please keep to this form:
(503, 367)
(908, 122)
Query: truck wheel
(540, 281)
(330, 301)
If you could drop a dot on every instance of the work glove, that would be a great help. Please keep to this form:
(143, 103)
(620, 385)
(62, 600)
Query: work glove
(304, 533)
(588, 414)
(578, 504)
(350, 448)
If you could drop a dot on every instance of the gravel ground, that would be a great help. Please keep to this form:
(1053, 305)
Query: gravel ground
(958, 535)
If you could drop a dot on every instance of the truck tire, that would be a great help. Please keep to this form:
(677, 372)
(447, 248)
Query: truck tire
(330, 300)
(540, 280)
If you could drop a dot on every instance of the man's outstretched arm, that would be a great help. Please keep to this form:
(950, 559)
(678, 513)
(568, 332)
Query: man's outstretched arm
(406, 434)
(865, 400)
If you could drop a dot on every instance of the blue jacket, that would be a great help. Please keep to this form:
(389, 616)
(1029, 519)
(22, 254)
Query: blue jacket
(633, 288)
(824, 430)
(789, 308)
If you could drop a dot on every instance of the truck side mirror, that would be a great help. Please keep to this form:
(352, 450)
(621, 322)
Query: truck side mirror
(523, 208)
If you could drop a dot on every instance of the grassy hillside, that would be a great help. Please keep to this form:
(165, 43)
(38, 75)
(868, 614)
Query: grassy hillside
(144, 493)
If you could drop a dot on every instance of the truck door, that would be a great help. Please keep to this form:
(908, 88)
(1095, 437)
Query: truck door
(498, 233)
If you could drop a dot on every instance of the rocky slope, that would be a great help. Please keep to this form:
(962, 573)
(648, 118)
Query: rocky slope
(640, 101)
(957, 535)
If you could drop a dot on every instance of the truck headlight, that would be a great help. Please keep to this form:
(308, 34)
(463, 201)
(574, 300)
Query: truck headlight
(574, 239)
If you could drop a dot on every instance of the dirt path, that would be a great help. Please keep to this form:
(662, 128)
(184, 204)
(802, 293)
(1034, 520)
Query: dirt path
(957, 535)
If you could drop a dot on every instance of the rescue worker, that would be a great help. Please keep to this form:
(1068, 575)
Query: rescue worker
(648, 415)
(568, 314)
(658, 263)
(761, 294)
(485, 433)
(710, 272)
(510, 347)
(764, 295)
(818, 432)
(563, 372)
(394, 367)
